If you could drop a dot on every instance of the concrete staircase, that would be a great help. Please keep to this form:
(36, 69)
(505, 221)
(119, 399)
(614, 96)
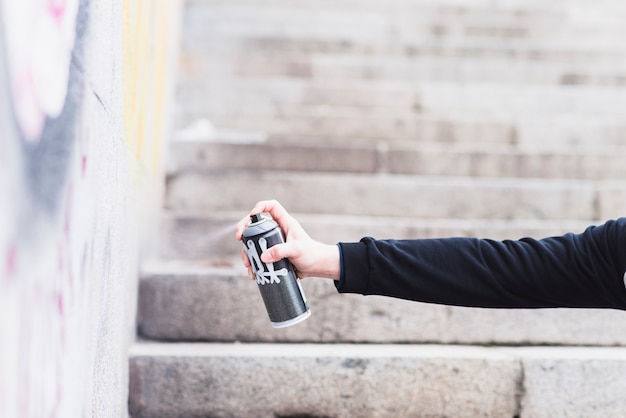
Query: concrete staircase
(389, 119)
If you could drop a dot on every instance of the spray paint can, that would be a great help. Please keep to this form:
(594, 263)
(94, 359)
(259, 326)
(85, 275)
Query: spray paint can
(279, 286)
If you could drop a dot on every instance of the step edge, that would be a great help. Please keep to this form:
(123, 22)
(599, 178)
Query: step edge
(373, 350)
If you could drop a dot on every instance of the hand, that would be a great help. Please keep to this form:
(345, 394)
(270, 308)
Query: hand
(309, 257)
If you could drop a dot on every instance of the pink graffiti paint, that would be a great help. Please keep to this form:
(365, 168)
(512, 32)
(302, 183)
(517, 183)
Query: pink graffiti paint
(60, 257)
(28, 111)
(57, 9)
(39, 38)
(25, 319)
(10, 261)
(68, 211)
(60, 303)
(57, 405)
(83, 167)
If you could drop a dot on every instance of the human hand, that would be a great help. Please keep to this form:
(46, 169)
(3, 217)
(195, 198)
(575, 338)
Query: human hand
(309, 257)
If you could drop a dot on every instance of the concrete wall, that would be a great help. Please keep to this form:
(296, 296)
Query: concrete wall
(83, 89)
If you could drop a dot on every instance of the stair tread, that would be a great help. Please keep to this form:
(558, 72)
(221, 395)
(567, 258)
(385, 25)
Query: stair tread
(201, 137)
(364, 350)
(403, 178)
(280, 350)
(233, 216)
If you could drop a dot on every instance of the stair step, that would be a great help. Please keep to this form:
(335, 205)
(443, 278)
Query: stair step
(293, 97)
(378, 68)
(398, 195)
(191, 302)
(535, 130)
(367, 22)
(397, 158)
(283, 380)
(429, 111)
(254, 380)
(211, 237)
(426, 72)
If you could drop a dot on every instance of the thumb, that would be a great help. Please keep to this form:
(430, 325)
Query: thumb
(277, 253)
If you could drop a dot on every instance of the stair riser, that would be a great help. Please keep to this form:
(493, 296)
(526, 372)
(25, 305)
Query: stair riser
(492, 66)
(375, 381)
(324, 66)
(291, 98)
(212, 238)
(395, 159)
(363, 22)
(230, 308)
(574, 383)
(575, 132)
(402, 196)
(347, 384)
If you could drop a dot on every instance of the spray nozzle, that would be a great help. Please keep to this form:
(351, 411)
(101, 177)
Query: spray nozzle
(256, 218)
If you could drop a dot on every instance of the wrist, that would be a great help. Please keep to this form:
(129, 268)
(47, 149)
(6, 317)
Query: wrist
(328, 263)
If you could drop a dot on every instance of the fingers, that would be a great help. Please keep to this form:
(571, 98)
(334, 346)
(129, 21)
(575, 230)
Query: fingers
(246, 263)
(273, 207)
(269, 255)
(278, 252)
(287, 224)
(244, 257)
(241, 225)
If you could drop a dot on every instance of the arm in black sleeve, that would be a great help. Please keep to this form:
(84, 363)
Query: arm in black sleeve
(574, 270)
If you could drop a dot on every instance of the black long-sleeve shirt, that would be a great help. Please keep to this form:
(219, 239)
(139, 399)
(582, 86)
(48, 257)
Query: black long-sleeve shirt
(584, 270)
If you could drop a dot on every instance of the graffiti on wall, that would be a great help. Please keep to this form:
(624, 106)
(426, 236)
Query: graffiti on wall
(149, 32)
(39, 39)
(44, 176)
(76, 156)
(150, 42)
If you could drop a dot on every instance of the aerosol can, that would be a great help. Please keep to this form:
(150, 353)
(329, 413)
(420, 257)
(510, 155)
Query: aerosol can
(279, 286)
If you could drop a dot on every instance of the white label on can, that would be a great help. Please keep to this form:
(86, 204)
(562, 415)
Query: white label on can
(263, 276)
(301, 291)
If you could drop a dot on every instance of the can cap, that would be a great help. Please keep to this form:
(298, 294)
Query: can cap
(259, 224)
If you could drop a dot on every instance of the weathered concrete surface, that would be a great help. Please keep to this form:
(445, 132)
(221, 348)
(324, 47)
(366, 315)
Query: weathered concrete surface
(267, 380)
(611, 198)
(72, 212)
(253, 380)
(212, 154)
(573, 382)
(210, 237)
(428, 119)
(193, 303)
(387, 195)
(425, 71)
(313, 156)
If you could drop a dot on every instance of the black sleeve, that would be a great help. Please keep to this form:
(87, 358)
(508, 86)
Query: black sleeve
(573, 270)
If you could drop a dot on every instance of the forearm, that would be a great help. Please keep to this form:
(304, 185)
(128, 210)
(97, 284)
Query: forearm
(326, 264)
(585, 270)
